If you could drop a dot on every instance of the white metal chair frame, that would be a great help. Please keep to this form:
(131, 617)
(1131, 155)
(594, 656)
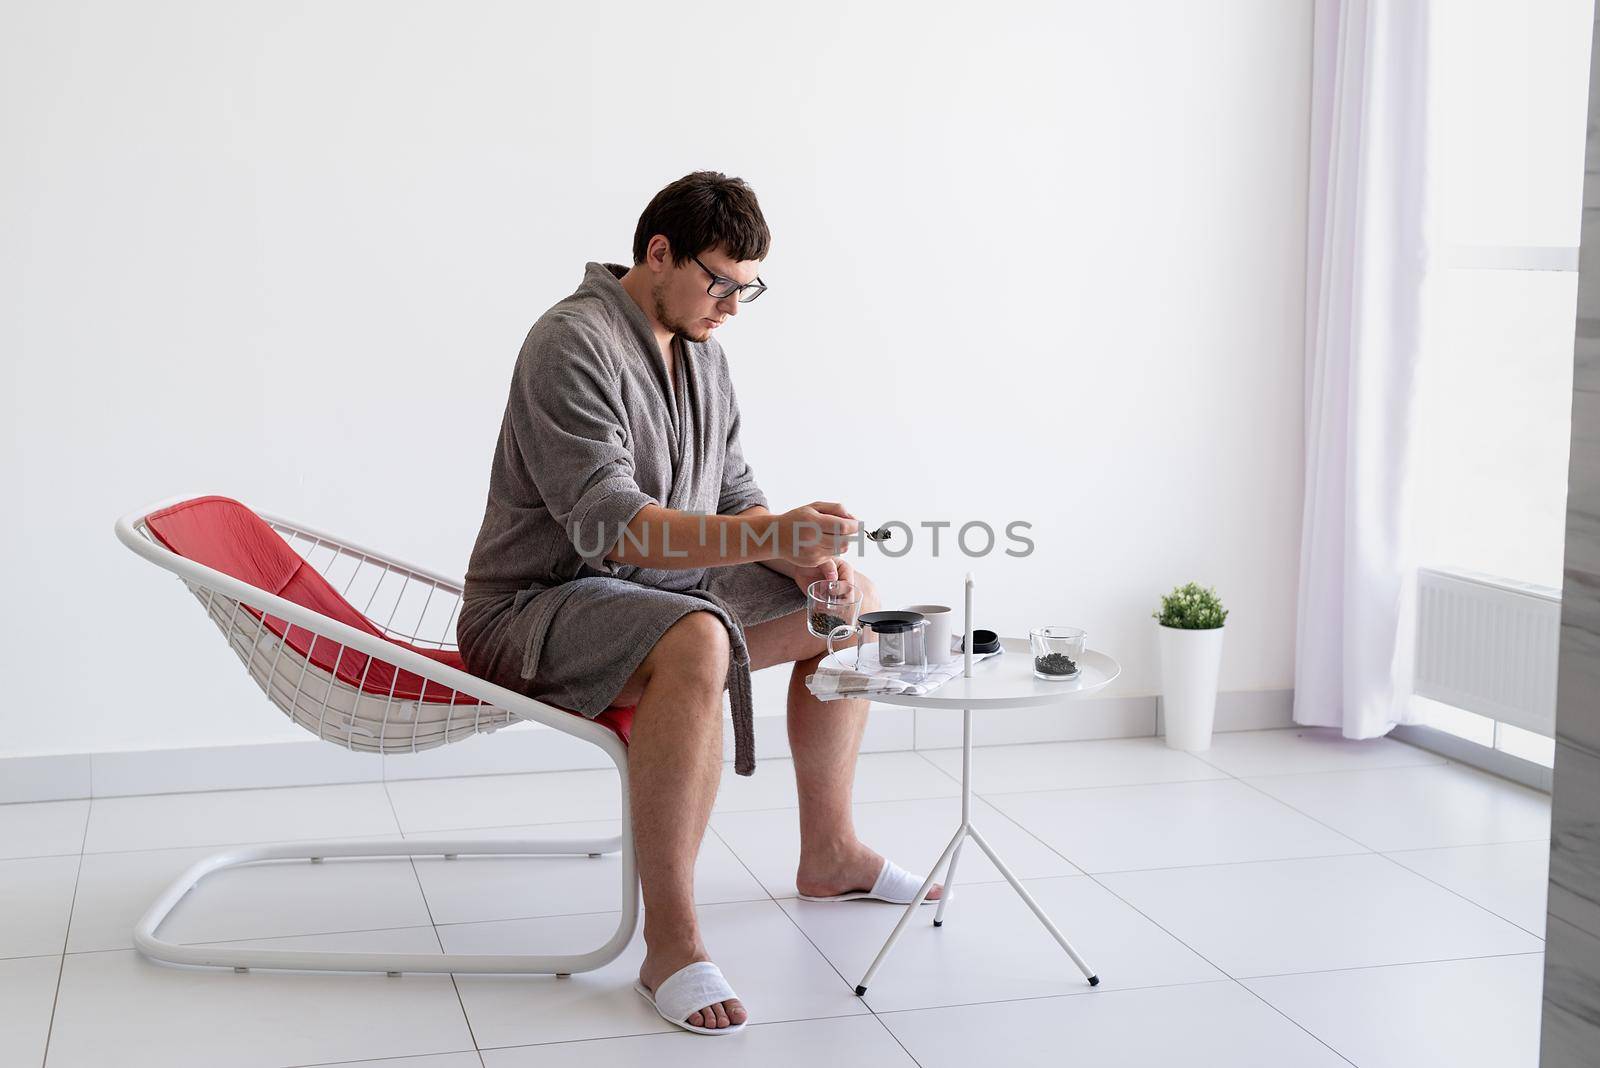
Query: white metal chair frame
(324, 714)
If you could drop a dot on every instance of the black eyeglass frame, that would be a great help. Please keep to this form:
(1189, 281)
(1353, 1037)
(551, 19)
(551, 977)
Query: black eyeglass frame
(758, 287)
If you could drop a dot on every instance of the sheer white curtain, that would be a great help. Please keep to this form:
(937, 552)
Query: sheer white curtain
(1366, 259)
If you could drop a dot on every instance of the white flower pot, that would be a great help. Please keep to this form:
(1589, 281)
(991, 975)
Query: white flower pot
(1190, 662)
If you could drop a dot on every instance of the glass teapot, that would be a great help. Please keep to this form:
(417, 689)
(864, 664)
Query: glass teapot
(902, 639)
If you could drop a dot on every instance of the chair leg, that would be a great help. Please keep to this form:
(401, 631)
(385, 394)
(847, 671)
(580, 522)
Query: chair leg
(149, 943)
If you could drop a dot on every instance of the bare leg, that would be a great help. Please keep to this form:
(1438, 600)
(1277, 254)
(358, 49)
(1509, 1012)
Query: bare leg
(824, 737)
(674, 767)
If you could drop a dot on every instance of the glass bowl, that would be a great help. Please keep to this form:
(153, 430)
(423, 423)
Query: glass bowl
(1056, 652)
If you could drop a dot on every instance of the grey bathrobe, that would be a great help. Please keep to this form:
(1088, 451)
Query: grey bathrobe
(594, 430)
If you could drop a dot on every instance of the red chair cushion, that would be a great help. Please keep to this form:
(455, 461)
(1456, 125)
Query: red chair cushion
(224, 535)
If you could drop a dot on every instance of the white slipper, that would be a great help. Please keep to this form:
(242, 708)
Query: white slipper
(895, 885)
(691, 989)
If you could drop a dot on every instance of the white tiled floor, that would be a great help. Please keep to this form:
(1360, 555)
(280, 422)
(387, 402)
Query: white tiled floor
(1288, 897)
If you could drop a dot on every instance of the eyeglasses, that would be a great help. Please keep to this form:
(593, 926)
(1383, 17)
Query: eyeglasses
(722, 288)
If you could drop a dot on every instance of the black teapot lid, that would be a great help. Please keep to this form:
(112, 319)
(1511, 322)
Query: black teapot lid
(891, 622)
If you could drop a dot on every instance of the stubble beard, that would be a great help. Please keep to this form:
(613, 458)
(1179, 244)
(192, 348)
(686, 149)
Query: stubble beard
(666, 319)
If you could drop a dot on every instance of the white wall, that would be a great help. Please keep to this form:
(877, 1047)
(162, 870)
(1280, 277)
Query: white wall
(288, 253)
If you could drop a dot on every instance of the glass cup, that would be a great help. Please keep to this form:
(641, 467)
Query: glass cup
(831, 604)
(1056, 652)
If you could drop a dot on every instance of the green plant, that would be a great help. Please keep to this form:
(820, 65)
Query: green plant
(1191, 608)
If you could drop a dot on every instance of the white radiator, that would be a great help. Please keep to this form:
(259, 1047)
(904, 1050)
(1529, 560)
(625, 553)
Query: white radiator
(1489, 645)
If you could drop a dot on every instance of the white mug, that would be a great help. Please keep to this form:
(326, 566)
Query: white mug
(938, 632)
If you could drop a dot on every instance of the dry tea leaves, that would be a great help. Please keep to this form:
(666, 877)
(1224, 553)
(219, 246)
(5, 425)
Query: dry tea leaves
(1054, 664)
(825, 622)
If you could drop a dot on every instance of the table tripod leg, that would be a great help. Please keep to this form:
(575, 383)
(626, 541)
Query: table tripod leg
(916, 903)
(949, 881)
(1083, 966)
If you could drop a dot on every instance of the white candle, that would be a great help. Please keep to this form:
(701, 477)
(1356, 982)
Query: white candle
(966, 645)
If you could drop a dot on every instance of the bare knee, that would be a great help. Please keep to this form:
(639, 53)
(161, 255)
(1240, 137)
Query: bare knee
(694, 651)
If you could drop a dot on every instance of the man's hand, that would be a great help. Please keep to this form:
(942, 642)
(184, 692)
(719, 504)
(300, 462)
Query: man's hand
(815, 532)
(831, 568)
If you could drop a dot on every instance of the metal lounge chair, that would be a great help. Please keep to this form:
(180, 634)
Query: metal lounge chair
(284, 597)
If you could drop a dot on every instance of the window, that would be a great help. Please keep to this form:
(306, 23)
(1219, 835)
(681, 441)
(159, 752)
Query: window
(1509, 103)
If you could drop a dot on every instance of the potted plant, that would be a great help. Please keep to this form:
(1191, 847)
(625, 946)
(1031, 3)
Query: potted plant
(1190, 640)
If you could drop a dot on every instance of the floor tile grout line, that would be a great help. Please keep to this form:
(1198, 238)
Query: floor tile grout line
(427, 906)
(767, 896)
(232, 790)
(59, 800)
(890, 1032)
(1404, 964)
(384, 781)
(334, 840)
(1012, 819)
(1314, 1036)
(1390, 856)
(1465, 845)
(929, 761)
(1210, 963)
(1221, 776)
(1084, 993)
(1385, 854)
(28, 956)
(1452, 890)
(433, 831)
(1530, 953)
(986, 795)
(1393, 964)
(1411, 765)
(42, 856)
(1362, 852)
(1396, 863)
(770, 897)
(267, 938)
(385, 1060)
(661, 1034)
(1309, 816)
(783, 911)
(1439, 761)
(66, 939)
(880, 1014)
(807, 936)
(1107, 786)
(740, 860)
(1297, 728)
(1231, 977)
(715, 813)
(1435, 765)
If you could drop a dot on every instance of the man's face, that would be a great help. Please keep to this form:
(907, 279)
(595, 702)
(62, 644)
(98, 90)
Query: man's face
(682, 304)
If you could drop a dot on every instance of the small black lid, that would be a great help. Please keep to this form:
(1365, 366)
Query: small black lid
(891, 622)
(983, 641)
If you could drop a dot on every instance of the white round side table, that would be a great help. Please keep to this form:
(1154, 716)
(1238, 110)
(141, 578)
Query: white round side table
(1003, 681)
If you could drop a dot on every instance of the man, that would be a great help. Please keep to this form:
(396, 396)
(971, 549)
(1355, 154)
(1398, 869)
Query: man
(627, 557)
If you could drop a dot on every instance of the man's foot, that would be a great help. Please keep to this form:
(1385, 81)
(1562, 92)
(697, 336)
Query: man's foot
(849, 872)
(658, 967)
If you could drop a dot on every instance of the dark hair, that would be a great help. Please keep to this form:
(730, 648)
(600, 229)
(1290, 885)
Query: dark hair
(701, 211)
